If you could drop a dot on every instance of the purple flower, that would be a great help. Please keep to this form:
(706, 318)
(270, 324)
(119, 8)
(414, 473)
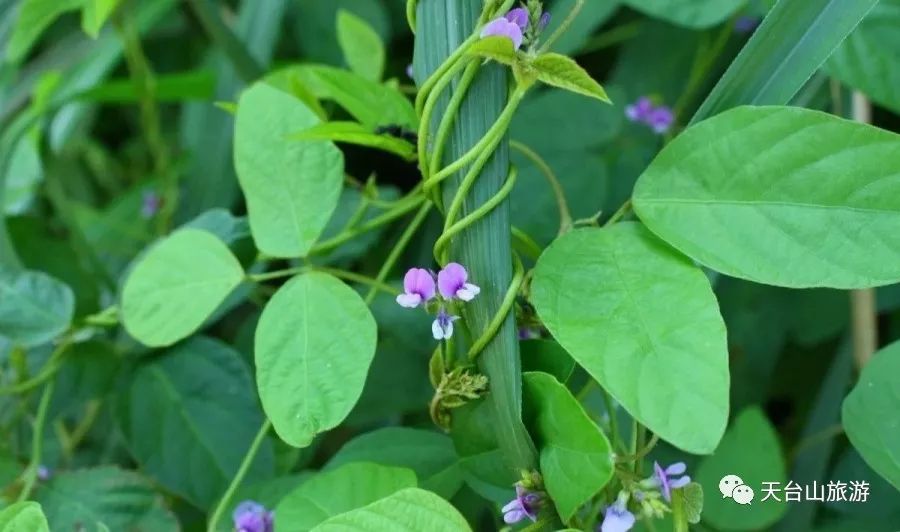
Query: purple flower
(524, 505)
(410, 73)
(665, 478)
(418, 287)
(746, 24)
(150, 204)
(545, 21)
(43, 473)
(617, 518)
(527, 333)
(250, 516)
(452, 282)
(512, 26)
(442, 327)
(659, 118)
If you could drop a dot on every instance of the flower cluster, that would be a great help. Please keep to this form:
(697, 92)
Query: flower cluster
(517, 26)
(649, 495)
(452, 284)
(250, 516)
(659, 118)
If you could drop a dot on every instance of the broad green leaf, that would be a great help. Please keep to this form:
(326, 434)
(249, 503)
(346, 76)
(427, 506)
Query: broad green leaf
(498, 48)
(429, 454)
(354, 133)
(23, 517)
(547, 356)
(484, 465)
(869, 59)
(408, 510)
(177, 285)
(563, 72)
(314, 29)
(750, 450)
(691, 500)
(291, 187)
(89, 373)
(576, 458)
(314, 344)
(90, 499)
(223, 224)
(870, 411)
(883, 503)
(361, 44)
(24, 173)
(189, 416)
(373, 104)
(647, 333)
(34, 307)
(743, 194)
(792, 42)
(35, 16)
(193, 85)
(337, 491)
(95, 13)
(696, 14)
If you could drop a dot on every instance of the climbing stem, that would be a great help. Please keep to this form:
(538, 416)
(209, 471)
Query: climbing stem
(37, 442)
(398, 249)
(225, 501)
(565, 215)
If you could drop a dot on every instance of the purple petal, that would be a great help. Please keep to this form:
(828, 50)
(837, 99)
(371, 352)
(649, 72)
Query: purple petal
(518, 16)
(511, 505)
(514, 516)
(545, 21)
(617, 519)
(451, 279)
(409, 300)
(679, 482)
(419, 281)
(678, 468)
(661, 119)
(503, 28)
(468, 292)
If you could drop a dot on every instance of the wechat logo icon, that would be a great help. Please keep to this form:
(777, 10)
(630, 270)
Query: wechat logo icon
(733, 487)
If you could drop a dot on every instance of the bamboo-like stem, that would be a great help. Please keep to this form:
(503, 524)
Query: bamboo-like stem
(484, 247)
(863, 310)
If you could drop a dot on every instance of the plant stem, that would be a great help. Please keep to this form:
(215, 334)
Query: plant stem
(341, 274)
(562, 27)
(565, 215)
(611, 37)
(37, 442)
(398, 249)
(863, 308)
(225, 501)
(623, 210)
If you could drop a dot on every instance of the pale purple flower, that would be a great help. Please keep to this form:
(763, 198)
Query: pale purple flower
(442, 326)
(43, 473)
(418, 288)
(250, 516)
(410, 72)
(617, 518)
(453, 283)
(528, 333)
(746, 24)
(525, 504)
(150, 204)
(511, 26)
(665, 478)
(658, 117)
(661, 119)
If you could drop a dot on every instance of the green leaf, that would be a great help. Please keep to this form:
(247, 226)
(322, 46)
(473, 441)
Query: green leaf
(23, 175)
(692, 501)
(189, 416)
(742, 194)
(177, 285)
(89, 499)
(34, 307)
(496, 47)
(291, 187)
(870, 410)
(192, 85)
(337, 491)
(373, 104)
(429, 454)
(354, 133)
(792, 42)
(223, 224)
(35, 16)
(647, 333)
(361, 44)
(697, 14)
(750, 450)
(576, 458)
(23, 517)
(314, 344)
(547, 356)
(487, 470)
(95, 13)
(408, 510)
(314, 30)
(869, 59)
(563, 72)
